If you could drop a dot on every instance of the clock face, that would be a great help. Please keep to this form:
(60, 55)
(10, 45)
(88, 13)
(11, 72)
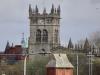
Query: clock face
(41, 21)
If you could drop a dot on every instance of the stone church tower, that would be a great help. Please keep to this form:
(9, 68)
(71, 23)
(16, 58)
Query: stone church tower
(44, 29)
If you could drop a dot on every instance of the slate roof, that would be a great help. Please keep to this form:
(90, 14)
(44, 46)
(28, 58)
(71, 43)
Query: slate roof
(60, 61)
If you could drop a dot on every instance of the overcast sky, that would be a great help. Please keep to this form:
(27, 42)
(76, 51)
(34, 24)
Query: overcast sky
(79, 19)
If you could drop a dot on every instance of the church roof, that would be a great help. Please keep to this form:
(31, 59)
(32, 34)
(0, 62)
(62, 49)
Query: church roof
(60, 61)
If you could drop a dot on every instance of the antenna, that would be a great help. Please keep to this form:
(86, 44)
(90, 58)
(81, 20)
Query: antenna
(23, 41)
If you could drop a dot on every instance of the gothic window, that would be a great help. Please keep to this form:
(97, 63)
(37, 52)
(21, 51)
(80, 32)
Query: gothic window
(58, 21)
(45, 36)
(38, 35)
(56, 35)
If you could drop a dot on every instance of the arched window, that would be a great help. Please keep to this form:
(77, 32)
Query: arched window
(38, 35)
(45, 36)
(56, 35)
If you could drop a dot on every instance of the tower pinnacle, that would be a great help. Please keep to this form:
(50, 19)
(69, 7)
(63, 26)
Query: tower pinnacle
(36, 9)
(58, 10)
(30, 9)
(44, 11)
(52, 9)
(7, 46)
(70, 44)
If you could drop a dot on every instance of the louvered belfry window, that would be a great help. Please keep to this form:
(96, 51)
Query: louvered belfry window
(38, 35)
(45, 36)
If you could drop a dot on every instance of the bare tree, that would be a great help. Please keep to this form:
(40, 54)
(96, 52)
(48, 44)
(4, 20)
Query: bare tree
(95, 38)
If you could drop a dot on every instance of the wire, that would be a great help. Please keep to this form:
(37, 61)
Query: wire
(25, 54)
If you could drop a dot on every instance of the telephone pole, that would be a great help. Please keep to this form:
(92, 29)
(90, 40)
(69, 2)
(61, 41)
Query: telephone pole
(77, 64)
(90, 57)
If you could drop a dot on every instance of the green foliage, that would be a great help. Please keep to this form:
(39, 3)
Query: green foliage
(96, 66)
(37, 67)
(16, 69)
(83, 63)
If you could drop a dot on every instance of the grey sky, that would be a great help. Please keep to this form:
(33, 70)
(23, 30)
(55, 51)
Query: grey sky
(79, 18)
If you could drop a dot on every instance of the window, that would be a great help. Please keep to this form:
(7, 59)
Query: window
(56, 36)
(38, 35)
(45, 36)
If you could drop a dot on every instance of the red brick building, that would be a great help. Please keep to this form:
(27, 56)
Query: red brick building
(1, 56)
(17, 49)
(12, 53)
(60, 65)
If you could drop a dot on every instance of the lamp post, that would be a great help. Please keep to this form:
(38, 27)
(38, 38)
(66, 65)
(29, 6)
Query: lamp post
(25, 59)
(77, 64)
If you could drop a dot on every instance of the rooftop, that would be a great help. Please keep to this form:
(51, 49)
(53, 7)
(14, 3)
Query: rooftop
(60, 61)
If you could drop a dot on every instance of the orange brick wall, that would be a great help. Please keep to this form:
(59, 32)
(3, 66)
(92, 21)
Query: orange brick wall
(59, 71)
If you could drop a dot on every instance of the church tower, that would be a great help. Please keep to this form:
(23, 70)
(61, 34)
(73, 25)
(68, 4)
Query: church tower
(44, 29)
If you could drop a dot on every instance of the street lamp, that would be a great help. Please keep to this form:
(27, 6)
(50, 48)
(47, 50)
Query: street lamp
(25, 59)
(77, 63)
